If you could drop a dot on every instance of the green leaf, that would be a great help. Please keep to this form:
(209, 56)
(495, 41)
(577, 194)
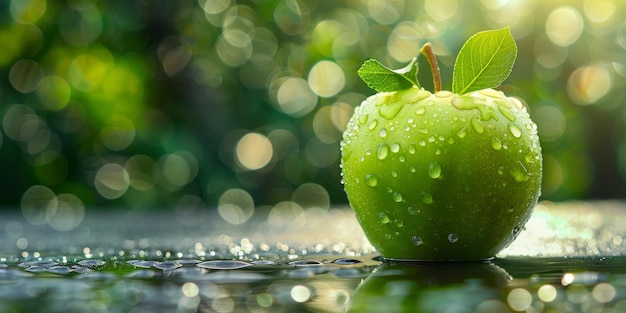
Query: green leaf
(485, 61)
(382, 78)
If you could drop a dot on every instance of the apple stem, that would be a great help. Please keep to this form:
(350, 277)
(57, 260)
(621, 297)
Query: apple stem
(427, 51)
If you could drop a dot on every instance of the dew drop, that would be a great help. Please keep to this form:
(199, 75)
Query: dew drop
(394, 173)
(506, 112)
(420, 111)
(450, 140)
(223, 264)
(397, 197)
(410, 210)
(515, 131)
(441, 138)
(443, 94)
(496, 144)
(383, 151)
(368, 152)
(371, 180)
(401, 159)
(453, 238)
(417, 241)
(398, 223)
(388, 236)
(345, 261)
(171, 265)
(423, 131)
(412, 149)
(520, 173)
(395, 147)
(383, 218)
(390, 111)
(363, 119)
(410, 120)
(434, 170)
(382, 133)
(478, 126)
(462, 132)
(372, 124)
(422, 143)
(426, 197)
(437, 152)
(412, 169)
(501, 170)
(431, 139)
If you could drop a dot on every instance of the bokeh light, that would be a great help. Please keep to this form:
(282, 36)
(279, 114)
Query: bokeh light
(236, 206)
(564, 26)
(191, 104)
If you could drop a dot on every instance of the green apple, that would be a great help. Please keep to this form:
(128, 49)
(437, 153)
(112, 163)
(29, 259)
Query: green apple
(449, 175)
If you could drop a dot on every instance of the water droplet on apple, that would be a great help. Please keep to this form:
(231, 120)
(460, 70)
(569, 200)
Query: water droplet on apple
(441, 138)
(382, 133)
(443, 94)
(477, 124)
(453, 238)
(496, 144)
(371, 180)
(462, 132)
(390, 111)
(431, 139)
(401, 159)
(412, 169)
(410, 210)
(372, 124)
(383, 218)
(383, 151)
(422, 143)
(434, 169)
(417, 241)
(363, 119)
(437, 152)
(520, 173)
(394, 174)
(501, 170)
(397, 197)
(395, 147)
(398, 223)
(423, 130)
(368, 152)
(412, 149)
(506, 112)
(388, 236)
(420, 111)
(515, 131)
(426, 197)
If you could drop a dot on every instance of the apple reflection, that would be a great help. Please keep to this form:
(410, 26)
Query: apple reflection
(432, 287)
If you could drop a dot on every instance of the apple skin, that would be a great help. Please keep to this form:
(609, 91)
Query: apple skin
(441, 176)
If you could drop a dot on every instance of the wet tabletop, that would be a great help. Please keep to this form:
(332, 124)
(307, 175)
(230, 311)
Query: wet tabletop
(568, 259)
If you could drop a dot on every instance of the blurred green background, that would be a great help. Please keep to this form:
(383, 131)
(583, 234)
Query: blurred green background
(240, 104)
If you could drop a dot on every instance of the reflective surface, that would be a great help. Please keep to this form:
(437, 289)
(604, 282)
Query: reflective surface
(569, 259)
